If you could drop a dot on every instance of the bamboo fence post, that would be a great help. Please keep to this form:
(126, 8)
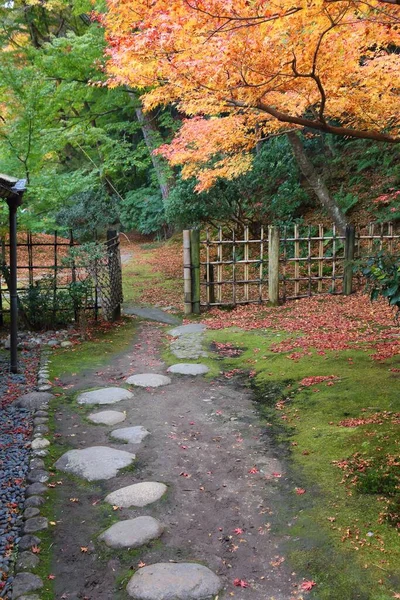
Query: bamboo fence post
(234, 267)
(195, 261)
(309, 251)
(260, 290)
(333, 259)
(296, 261)
(30, 257)
(321, 257)
(219, 266)
(246, 263)
(187, 279)
(273, 264)
(350, 243)
(55, 277)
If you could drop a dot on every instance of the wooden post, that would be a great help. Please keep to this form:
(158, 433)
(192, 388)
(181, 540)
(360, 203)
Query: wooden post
(273, 264)
(187, 280)
(112, 249)
(195, 261)
(349, 247)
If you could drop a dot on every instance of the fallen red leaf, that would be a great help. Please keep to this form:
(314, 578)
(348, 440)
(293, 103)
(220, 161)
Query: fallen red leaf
(241, 583)
(306, 586)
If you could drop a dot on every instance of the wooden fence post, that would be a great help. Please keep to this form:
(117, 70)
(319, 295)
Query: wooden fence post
(195, 271)
(349, 247)
(112, 245)
(187, 279)
(273, 264)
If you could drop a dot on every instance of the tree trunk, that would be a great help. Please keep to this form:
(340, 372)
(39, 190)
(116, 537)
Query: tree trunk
(150, 135)
(316, 182)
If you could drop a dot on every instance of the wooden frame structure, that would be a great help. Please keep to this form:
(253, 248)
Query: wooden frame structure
(279, 264)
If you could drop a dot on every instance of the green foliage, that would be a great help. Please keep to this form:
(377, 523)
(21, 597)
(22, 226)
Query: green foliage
(47, 307)
(270, 193)
(89, 212)
(383, 277)
(142, 209)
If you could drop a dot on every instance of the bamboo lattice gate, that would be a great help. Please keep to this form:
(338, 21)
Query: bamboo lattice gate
(280, 264)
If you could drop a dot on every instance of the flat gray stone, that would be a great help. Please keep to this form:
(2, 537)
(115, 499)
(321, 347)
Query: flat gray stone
(36, 463)
(42, 429)
(27, 560)
(152, 313)
(179, 581)
(40, 443)
(34, 501)
(138, 494)
(24, 583)
(185, 329)
(31, 512)
(107, 417)
(35, 488)
(38, 476)
(110, 395)
(29, 597)
(40, 420)
(132, 533)
(33, 400)
(35, 524)
(188, 369)
(66, 344)
(95, 463)
(133, 435)
(188, 347)
(148, 380)
(27, 541)
(44, 388)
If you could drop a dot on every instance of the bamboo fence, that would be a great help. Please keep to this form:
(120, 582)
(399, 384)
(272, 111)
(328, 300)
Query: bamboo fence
(279, 264)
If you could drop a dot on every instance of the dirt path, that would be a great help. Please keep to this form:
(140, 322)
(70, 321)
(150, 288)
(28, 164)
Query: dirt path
(207, 447)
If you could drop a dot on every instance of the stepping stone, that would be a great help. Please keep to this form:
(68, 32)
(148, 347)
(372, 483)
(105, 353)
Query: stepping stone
(110, 395)
(188, 347)
(95, 463)
(185, 329)
(152, 313)
(168, 581)
(107, 417)
(188, 369)
(40, 443)
(133, 435)
(132, 533)
(148, 380)
(138, 494)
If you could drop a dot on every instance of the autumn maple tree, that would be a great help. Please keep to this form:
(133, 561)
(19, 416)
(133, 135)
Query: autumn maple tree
(243, 70)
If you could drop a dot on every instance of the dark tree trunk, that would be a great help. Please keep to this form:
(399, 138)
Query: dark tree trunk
(317, 183)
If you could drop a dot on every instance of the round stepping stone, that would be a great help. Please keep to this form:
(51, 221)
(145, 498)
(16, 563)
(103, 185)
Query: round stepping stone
(168, 581)
(95, 463)
(133, 435)
(107, 417)
(188, 369)
(110, 395)
(138, 494)
(132, 533)
(148, 380)
(185, 329)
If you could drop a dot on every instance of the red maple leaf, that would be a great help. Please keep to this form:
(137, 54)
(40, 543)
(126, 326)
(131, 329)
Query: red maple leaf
(241, 583)
(238, 531)
(306, 586)
(300, 491)
(253, 470)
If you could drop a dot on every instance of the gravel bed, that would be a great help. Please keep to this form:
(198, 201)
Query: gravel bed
(15, 437)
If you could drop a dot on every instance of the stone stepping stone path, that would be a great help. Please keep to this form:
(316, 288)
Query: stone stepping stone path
(107, 417)
(132, 533)
(109, 395)
(188, 342)
(137, 494)
(188, 369)
(133, 435)
(148, 380)
(179, 581)
(95, 463)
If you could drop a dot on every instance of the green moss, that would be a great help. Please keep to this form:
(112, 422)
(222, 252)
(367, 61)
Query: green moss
(336, 532)
(95, 353)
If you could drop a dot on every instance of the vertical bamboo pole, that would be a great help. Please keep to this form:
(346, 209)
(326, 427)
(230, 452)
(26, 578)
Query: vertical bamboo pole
(195, 261)
(321, 257)
(234, 268)
(55, 278)
(187, 280)
(333, 259)
(390, 238)
(349, 248)
(73, 275)
(261, 265)
(30, 257)
(296, 261)
(273, 265)
(219, 266)
(309, 260)
(246, 264)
